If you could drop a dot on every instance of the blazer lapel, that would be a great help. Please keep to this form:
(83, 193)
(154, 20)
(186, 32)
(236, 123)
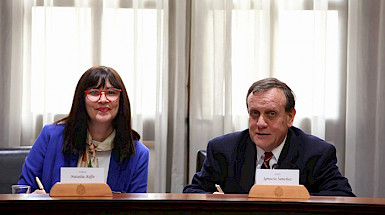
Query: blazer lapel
(71, 161)
(114, 175)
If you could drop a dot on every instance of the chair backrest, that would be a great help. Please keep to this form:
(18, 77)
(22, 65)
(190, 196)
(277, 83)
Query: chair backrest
(201, 156)
(11, 163)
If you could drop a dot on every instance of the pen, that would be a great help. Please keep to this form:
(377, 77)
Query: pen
(39, 183)
(219, 188)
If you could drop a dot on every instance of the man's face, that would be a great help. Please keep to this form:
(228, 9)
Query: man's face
(268, 120)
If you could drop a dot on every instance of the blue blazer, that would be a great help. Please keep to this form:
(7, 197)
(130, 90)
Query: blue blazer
(231, 163)
(46, 158)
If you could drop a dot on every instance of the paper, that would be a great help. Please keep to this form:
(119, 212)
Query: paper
(277, 176)
(81, 175)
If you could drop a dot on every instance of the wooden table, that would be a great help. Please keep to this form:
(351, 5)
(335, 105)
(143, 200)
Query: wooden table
(177, 203)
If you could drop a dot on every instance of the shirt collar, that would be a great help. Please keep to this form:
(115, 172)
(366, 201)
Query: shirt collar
(276, 152)
(106, 145)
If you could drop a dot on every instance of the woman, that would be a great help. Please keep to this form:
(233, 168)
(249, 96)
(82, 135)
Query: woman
(96, 133)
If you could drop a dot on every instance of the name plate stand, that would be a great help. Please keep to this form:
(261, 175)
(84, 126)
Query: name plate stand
(279, 191)
(80, 189)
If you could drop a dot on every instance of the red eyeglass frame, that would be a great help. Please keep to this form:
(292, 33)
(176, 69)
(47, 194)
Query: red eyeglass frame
(100, 94)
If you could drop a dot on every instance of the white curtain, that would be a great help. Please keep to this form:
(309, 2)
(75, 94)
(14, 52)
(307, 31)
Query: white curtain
(46, 47)
(171, 123)
(11, 76)
(178, 70)
(305, 43)
(365, 112)
(235, 43)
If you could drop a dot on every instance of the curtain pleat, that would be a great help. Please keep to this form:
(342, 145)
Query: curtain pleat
(365, 113)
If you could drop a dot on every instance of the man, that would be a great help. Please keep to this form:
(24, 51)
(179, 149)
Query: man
(232, 159)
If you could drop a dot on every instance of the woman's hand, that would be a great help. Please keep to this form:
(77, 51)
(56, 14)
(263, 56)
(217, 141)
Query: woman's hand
(38, 191)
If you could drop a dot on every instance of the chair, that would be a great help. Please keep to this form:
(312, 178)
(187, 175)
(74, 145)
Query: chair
(201, 156)
(11, 163)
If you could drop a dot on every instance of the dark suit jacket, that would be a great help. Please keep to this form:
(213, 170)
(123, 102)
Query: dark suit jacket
(231, 163)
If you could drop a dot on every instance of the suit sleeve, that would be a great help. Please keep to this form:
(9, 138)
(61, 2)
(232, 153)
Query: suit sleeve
(328, 179)
(205, 180)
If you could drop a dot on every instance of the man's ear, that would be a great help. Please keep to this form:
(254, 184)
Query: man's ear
(291, 116)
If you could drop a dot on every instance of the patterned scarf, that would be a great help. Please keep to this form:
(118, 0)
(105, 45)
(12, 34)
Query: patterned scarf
(89, 158)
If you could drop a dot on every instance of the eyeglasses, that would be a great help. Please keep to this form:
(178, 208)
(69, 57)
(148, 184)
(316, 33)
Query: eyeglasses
(111, 94)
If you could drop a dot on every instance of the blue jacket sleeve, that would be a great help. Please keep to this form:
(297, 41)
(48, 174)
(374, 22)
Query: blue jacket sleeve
(33, 165)
(140, 176)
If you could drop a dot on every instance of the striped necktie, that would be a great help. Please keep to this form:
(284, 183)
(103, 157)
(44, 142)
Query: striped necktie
(267, 158)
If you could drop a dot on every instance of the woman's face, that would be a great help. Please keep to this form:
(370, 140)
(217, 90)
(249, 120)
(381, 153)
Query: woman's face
(102, 110)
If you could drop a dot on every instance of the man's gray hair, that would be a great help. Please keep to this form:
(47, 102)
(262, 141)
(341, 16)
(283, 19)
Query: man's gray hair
(269, 83)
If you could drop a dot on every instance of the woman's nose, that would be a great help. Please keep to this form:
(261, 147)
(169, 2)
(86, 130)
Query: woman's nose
(103, 97)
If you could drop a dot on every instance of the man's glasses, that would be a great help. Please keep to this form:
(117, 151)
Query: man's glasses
(111, 94)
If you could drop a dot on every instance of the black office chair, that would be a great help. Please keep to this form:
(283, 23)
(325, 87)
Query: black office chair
(11, 163)
(201, 156)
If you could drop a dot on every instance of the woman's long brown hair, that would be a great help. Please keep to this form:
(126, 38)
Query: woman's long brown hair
(75, 131)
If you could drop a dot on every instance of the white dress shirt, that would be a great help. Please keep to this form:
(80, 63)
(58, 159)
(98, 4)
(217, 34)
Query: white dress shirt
(274, 159)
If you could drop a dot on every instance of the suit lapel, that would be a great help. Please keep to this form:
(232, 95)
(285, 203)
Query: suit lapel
(245, 163)
(289, 154)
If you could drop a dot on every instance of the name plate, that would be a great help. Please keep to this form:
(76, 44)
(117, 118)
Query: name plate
(81, 175)
(277, 176)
